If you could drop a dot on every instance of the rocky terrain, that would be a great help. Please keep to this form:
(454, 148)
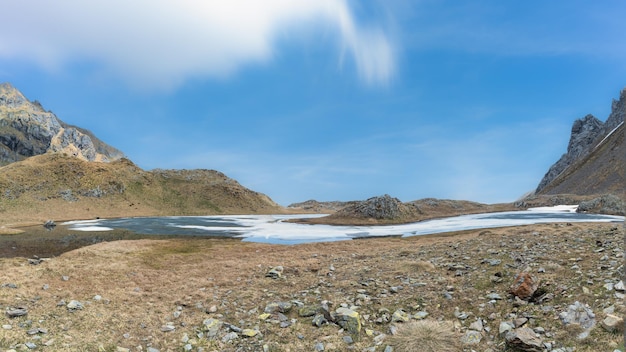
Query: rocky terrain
(26, 130)
(595, 161)
(552, 287)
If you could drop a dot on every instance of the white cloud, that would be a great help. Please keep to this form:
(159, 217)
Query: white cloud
(163, 42)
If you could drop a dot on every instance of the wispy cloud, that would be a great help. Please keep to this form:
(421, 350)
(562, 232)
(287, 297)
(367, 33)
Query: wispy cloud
(162, 43)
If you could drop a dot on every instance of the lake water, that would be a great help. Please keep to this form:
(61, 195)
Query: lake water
(273, 229)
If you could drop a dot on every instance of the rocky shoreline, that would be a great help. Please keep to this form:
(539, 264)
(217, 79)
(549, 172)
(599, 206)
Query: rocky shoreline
(553, 287)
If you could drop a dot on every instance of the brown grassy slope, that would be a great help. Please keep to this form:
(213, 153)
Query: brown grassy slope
(55, 186)
(600, 172)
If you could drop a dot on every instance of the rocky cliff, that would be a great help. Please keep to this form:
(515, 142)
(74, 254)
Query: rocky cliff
(594, 162)
(27, 129)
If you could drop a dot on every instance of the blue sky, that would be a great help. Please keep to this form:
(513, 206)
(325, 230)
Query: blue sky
(324, 99)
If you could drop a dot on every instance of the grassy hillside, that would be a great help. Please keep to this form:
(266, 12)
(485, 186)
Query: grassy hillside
(56, 186)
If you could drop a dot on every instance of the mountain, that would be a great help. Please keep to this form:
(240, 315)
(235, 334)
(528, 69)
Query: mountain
(26, 129)
(595, 161)
(53, 170)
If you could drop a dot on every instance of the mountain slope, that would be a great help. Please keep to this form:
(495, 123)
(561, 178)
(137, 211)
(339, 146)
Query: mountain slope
(595, 160)
(26, 129)
(57, 186)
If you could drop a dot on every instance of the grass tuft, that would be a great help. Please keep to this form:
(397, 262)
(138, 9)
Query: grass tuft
(426, 336)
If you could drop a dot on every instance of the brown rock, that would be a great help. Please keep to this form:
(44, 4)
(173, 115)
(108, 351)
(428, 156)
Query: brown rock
(523, 339)
(524, 286)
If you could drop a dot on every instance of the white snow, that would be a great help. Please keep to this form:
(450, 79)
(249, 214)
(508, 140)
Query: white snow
(273, 229)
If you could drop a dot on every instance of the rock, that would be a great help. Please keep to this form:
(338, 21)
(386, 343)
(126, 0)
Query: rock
(212, 326)
(278, 307)
(471, 337)
(619, 286)
(74, 305)
(350, 321)
(400, 316)
(524, 286)
(477, 325)
(420, 315)
(319, 320)
(168, 327)
(505, 327)
(319, 347)
(275, 272)
(16, 312)
(579, 314)
(49, 224)
(229, 337)
(494, 296)
(523, 339)
(308, 310)
(249, 332)
(613, 323)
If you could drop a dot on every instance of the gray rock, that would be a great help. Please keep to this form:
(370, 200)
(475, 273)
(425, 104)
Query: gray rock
(74, 305)
(16, 312)
(612, 323)
(579, 314)
(505, 327)
(319, 347)
(278, 307)
(471, 337)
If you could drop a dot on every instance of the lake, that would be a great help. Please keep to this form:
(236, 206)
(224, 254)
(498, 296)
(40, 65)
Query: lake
(273, 229)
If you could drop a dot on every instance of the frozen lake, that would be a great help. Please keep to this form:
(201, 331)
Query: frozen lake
(273, 229)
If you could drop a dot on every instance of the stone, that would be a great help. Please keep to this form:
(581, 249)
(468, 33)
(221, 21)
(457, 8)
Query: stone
(319, 347)
(477, 325)
(400, 316)
(211, 327)
(471, 337)
(319, 320)
(249, 332)
(350, 320)
(308, 310)
(420, 315)
(494, 296)
(524, 286)
(74, 305)
(579, 314)
(619, 286)
(278, 307)
(16, 312)
(505, 327)
(613, 323)
(524, 339)
(275, 272)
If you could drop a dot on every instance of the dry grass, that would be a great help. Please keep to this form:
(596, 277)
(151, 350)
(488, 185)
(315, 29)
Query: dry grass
(426, 336)
(143, 282)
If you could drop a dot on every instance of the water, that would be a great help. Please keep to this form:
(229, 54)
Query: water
(273, 229)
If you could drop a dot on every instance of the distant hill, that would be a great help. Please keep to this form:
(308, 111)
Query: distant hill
(27, 129)
(58, 186)
(595, 161)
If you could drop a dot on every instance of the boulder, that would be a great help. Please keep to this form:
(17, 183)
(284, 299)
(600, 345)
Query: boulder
(349, 320)
(524, 286)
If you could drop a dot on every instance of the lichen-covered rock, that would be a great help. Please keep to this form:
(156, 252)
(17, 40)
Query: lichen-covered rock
(350, 320)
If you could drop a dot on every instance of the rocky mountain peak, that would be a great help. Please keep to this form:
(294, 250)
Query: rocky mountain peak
(11, 97)
(587, 135)
(27, 129)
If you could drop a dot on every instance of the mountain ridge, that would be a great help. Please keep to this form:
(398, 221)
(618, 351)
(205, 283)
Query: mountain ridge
(27, 129)
(595, 159)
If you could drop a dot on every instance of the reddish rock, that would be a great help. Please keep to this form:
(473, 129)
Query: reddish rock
(524, 286)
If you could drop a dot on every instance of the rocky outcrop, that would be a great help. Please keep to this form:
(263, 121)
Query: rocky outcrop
(584, 133)
(595, 159)
(380, 207)
(27, 130)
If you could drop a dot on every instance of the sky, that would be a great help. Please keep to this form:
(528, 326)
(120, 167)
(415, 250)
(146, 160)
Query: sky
(326, 99)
